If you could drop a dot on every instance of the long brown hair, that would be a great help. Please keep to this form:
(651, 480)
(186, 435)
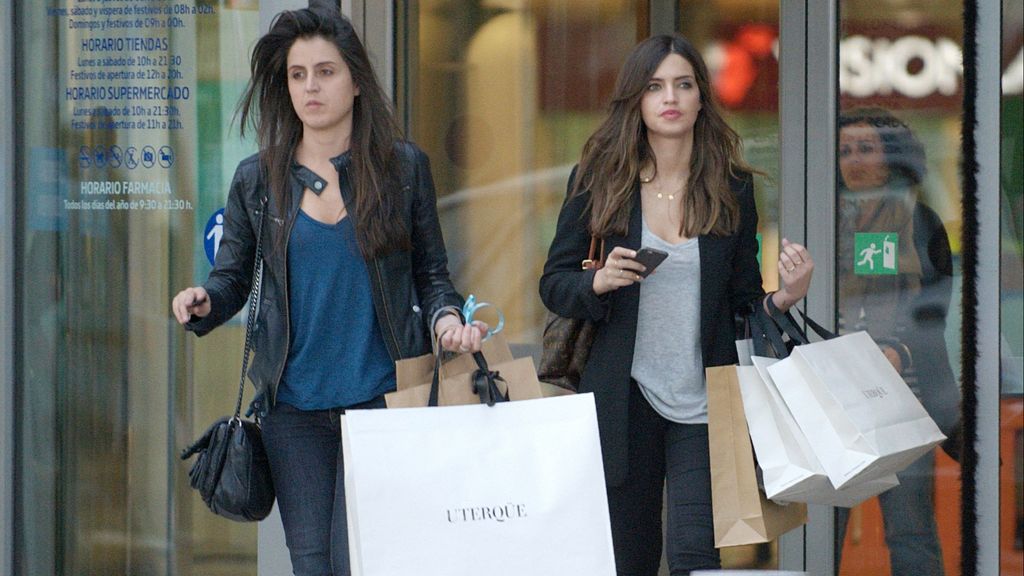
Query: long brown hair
(614, 155)
(266, 107)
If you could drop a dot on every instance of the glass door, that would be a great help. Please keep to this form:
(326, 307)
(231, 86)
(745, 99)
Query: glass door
(124, 150)
(1011, 292)
(897, 258)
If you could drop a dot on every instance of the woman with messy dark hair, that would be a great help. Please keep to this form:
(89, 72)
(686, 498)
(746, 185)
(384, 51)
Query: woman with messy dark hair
(355, 272)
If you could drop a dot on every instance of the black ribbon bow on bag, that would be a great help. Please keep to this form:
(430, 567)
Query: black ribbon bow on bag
(484, 381)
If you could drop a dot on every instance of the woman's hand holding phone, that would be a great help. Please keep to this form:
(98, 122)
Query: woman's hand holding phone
(625, 267)
(650, 258)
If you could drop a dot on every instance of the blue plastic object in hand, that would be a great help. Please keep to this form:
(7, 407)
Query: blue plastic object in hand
(470, 308)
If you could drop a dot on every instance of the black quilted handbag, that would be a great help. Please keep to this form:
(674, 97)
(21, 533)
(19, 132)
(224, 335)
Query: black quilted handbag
(232, 473)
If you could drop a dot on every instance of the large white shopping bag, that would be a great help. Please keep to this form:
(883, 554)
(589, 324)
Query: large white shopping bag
(860, 418)
(515, 488)
(790, 470)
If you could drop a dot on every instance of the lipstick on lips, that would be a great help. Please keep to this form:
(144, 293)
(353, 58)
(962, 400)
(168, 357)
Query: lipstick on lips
(671, 114)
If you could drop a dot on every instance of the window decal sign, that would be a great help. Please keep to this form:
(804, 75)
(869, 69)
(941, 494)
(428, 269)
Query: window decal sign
(875, 253)
(212, 234)
(128, 102)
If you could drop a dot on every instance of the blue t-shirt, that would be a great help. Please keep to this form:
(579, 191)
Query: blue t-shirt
(337, 355)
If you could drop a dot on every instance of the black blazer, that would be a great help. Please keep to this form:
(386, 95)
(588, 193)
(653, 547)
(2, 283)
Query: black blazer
(730, 281)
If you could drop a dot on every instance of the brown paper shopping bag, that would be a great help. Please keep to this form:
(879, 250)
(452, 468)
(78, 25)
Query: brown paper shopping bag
(742, 513)
(518, 380)
(417, 371)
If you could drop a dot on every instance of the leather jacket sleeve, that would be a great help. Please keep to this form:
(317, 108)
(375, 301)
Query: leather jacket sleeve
(231, 278)
(430, 259)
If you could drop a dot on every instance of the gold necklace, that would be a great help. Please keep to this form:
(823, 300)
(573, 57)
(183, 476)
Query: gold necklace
(670, 196)
(658, 192)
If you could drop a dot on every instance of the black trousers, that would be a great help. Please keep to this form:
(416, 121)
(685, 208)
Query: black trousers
(663, 455)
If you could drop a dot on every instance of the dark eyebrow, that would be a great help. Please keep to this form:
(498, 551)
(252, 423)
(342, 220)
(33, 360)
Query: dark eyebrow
(317, 65)
(677, 78)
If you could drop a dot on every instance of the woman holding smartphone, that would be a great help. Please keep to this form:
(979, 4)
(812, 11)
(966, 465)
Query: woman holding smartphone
(663, 171)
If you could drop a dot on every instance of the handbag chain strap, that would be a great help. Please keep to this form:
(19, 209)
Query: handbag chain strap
(254, 298)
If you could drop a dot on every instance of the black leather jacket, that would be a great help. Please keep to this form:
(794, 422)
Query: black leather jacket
(408, 286)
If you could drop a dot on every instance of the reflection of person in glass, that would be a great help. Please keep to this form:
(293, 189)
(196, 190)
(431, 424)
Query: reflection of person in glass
(664, 170)
(355, 271)
(901, 301)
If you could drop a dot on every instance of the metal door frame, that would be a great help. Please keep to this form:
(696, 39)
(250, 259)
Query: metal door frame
(795, 74)
(987, 135)
(7, 281)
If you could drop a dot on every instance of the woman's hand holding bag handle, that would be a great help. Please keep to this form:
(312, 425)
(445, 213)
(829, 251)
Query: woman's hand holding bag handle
(484, 380)
(767, 328)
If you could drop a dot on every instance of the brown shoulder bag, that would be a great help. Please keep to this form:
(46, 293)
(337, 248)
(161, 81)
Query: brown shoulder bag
(567, 341)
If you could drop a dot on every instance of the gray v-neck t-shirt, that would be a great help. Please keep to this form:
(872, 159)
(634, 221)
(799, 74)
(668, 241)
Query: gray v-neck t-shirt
(667, 360)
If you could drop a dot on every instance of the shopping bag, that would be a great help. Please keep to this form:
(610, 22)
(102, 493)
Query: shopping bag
(790, 470)
(417, 371)
(860, 418)
(516, 380)
(742, 512)
(516, 488)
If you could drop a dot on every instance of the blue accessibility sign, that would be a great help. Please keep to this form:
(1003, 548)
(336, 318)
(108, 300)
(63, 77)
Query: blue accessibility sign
(212, 235)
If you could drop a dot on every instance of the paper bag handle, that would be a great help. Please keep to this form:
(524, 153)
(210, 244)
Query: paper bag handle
(766, 329)
(485, 381)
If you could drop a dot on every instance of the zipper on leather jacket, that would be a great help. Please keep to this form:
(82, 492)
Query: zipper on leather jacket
(287, 312)
(384, 305)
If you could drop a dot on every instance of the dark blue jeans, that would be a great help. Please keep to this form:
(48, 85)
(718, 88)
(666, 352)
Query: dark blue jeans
(663, 455)
(304, 448)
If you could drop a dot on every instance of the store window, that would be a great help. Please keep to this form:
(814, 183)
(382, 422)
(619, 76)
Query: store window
(122, 161)
(502, 96)
(1011, 293)
(898, 257)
